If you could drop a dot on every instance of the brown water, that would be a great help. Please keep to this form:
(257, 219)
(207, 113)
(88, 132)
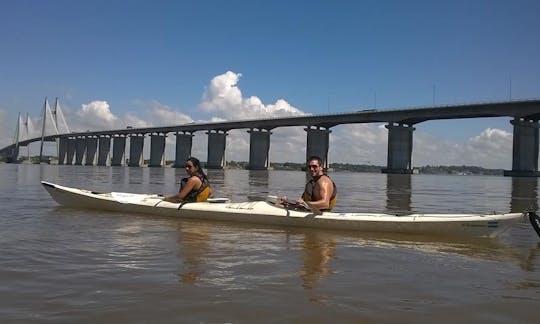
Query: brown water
(68, 265)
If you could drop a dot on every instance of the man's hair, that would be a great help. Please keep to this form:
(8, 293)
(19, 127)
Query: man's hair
(316, 158)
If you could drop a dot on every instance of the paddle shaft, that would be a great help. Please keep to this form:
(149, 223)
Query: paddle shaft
(313, 208)
(306, 204)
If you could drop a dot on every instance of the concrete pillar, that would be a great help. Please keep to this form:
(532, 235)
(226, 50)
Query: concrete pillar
(136, 144)
(119, 149)
(259, 147)
(80, 148)
(525, 149)
(216, 149)
(104, 148)
(318, 143)
(400, 143)
(91, 149)
(70, 150)
(184, 143)
(157, 149)
(13, 154)
(62, 150)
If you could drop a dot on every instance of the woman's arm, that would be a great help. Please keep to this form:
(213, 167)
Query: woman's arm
(192, 183)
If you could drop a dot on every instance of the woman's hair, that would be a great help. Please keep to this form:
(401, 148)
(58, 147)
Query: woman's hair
(197, 164)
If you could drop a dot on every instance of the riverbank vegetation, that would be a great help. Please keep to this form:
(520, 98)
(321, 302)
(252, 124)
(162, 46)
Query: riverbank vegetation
(347, 167)
(334, 167)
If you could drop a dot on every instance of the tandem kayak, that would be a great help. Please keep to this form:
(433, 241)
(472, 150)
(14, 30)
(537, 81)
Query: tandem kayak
(271, 212)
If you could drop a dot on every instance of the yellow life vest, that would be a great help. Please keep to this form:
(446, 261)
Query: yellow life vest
(200, 194)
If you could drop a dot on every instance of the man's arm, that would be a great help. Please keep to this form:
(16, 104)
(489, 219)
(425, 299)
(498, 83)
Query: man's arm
(325, 192)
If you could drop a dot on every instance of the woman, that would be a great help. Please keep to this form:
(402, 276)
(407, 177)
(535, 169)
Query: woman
(195, 187)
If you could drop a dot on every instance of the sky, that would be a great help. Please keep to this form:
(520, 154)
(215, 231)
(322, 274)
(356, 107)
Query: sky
(150, 63)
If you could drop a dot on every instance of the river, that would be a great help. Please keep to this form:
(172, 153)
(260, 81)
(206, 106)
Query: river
(82, 266)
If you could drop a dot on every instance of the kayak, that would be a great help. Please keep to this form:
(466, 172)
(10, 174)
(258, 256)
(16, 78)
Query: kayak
(271, 211)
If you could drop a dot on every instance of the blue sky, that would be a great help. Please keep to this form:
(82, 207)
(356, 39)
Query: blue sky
(318, 56)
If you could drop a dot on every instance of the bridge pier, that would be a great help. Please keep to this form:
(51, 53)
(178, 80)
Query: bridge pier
(80, 148)
(318, 140)
(71, 148)
(157, 148)
(13, 155)
(525, 149)
(136, 143)
(104, 148)
(400, 143)
(62, 150)
(184, 143)
(216, 149)
(91, 149)
(119, 150)
(259, 146)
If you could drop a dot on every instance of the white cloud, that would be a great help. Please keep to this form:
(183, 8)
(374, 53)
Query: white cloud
(98, 115)
(5, 136)
(158, 114)
(97, 111)
(224, 98)
(359, 144)
(492, 148)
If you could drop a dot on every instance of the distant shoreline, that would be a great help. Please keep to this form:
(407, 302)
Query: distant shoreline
(347, 167)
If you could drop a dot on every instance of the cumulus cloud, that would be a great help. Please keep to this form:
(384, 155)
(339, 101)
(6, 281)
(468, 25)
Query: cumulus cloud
(5, 137)
(98, 115)
(99, 110)
(359, 144)
(492, 148)
(224, 99)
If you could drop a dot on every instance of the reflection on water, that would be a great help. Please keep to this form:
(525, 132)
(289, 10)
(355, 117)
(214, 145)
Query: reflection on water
(524, 194)
(529, 257)
(258, 178)
(317, 252)
(398, 193)
(194, 244)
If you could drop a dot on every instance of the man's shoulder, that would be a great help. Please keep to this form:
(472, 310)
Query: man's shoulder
(326, 178)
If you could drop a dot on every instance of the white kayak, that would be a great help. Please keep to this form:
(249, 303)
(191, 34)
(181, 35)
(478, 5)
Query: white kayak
(273, 213)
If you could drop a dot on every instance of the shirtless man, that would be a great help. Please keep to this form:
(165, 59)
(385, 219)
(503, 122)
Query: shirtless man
(320, 191)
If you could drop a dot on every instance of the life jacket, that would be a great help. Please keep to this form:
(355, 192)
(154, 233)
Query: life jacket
(310, 188)
(197, 195)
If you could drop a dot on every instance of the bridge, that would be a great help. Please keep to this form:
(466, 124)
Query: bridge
(94, 147)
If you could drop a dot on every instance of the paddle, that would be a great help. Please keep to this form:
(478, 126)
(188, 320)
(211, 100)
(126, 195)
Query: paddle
(287, 204)
(268, 198)
(312, 207)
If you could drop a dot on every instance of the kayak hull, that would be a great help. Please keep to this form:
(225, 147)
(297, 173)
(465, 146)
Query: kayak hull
(265, 212)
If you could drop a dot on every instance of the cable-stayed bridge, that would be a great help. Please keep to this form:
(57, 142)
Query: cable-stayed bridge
(94, 147)
(25, 132)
